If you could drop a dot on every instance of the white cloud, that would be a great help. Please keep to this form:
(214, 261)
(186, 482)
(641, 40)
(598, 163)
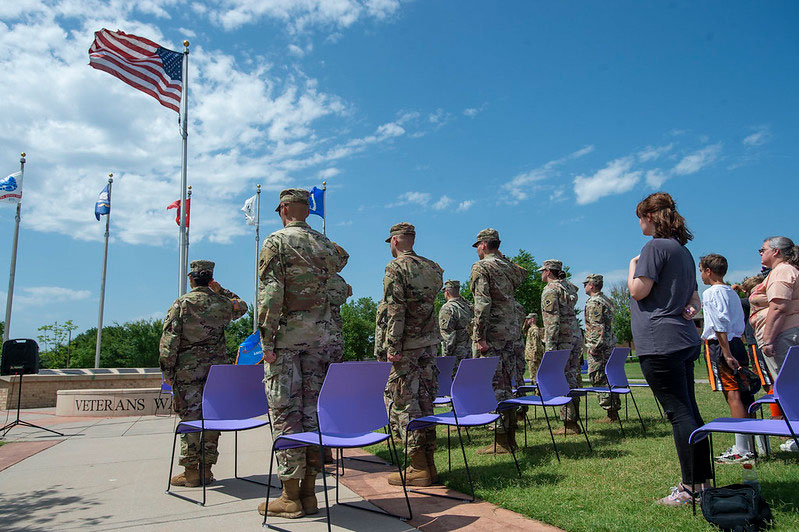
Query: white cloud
(656, 177)
(327, 173)
(48, 295)
(296, 50)
(759, 137)
(412, 198)
(652, 153)
(442, 203)
(187, 32)
(692, 163)
(471, 112)
(465, 205)
(519, 185)
(615, 178)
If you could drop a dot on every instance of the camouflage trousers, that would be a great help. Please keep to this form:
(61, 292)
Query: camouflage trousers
(518, 353)
(596, 372)
(187, 397)
(571, 411)
(292, 383)
(412, 387)
(503, 388)
(336, 352)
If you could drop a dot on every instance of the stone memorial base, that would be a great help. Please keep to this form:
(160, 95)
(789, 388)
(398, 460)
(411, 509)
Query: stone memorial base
(113, 403)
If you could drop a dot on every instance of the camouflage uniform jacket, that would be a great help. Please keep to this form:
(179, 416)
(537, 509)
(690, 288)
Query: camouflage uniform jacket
(556, 313)
(533, 348)
(295, 265)
(599, 323)
(493, 282)
(380, 331)
(454, 319)
(195, 324)
(573, 296)
(338, 291)
(410, 286)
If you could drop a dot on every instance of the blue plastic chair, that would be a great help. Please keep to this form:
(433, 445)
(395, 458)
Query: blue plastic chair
(617, 382)
(165, 389)
(473, 404)
(445, 366)
(786, 392)
(233, 398)
(347, 416)
(553, 390)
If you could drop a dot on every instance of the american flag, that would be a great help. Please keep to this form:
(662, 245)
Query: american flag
(140, 63)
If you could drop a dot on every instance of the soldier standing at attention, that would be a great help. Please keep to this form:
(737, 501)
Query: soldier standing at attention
(557, 308)
(533, 348)
(410, 286)
(454, 319)
(296, 325)
(380, 331)
(193, 340)
(600, 340)
(339, 292)
(497, 326)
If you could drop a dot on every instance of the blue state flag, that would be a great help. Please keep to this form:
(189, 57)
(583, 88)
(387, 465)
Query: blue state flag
(317, 202)
(103, 205)
(250, 350)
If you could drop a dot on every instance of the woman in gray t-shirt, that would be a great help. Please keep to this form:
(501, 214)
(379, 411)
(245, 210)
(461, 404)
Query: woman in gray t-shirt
(662, 283)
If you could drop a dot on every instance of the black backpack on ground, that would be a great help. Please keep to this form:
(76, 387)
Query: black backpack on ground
(737, 507)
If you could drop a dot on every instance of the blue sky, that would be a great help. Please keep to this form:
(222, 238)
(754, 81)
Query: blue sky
(548, 121)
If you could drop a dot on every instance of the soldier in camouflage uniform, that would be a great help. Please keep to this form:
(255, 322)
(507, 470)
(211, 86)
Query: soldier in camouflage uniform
(533, 348)
(600, 340)
(497, 327)
(193, 340)
(380, 331)
(454, 319)
(297, 328)
(518, 348)
(339, 292)
(410, 287)
(561, 332)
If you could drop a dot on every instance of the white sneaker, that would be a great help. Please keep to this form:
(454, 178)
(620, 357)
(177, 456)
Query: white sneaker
(789, 446)
(731, 456)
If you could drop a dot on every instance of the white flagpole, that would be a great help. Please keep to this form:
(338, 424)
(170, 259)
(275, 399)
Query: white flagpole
(14, 243)
(257, 256)
(102, 283)
(184, 122)
(324, 206)
(188, 230)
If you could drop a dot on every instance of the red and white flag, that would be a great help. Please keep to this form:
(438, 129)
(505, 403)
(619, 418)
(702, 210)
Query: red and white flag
(176, 205)
(140, 63)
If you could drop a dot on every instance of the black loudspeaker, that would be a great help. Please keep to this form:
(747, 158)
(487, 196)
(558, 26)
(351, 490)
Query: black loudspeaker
(20, 357)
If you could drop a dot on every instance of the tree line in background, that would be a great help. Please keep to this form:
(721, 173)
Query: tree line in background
(135, 344)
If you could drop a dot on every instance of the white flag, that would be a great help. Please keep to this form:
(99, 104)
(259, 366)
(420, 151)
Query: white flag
(11, 188)
(249, 210)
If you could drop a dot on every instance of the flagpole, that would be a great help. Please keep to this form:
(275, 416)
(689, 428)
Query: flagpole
(184, 122)
(14, 243)
(188, 230)
(324, 206)
(102, 283)
(257, 256)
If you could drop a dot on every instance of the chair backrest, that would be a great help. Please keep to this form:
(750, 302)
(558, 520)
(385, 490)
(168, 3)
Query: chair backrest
(234, 392)
(472, 389)
(351, 399)
(445, 366)
(164, 386)
(614, 369)
(551, 375)
(786, 387)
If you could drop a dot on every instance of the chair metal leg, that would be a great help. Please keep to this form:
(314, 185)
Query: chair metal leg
(202, 475)
(171, 462)
(449, 453)
(643, 428)
(324, 478)
(585, 433)
(510, 446)
(468, 436)
(269, 485)
(551, 435)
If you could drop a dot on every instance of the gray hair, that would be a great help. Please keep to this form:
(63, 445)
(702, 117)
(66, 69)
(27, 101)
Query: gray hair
(786, 247)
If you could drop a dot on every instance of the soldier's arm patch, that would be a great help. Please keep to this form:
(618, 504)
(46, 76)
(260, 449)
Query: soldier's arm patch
(550, 303)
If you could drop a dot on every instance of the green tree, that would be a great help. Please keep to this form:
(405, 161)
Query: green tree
(620, 295)
(358, 328)
(236, 332)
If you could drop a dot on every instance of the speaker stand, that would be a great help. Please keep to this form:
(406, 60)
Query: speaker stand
(18, 421)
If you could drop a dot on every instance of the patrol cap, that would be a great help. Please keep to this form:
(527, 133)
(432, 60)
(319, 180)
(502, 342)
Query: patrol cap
(200, 266)
(551, 264)
(402, 228)
(485, 235)
(452, 285)
(293, 195)
(593, 278)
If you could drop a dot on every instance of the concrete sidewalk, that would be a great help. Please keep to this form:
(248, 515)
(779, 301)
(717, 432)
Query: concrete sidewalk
(111, 474)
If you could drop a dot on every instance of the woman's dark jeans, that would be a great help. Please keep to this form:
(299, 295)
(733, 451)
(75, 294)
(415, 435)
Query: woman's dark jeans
(671, 378)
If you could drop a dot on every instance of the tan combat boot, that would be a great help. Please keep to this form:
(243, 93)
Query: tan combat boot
(569, 427)
(612, 417)
(417, 474)
(504, 443)
(209, 476)
(288, 505)
(189, 478)
(431, 464)
(308, 495)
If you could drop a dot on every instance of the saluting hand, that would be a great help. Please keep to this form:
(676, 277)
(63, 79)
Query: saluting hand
(215, 287)
(269, 357)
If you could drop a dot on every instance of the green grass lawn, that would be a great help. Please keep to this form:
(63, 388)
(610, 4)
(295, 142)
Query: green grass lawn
(615, 486)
